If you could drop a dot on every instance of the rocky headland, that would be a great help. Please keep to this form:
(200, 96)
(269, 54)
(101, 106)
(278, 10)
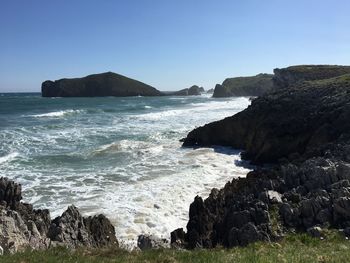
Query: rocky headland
(244, 86)
(108, 84)
(22, 227)
(97, 85)
(299, 135)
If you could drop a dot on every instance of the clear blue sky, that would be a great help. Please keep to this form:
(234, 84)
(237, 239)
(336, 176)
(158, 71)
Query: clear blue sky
(168, 44)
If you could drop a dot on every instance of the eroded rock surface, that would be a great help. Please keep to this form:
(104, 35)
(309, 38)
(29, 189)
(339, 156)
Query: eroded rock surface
(23, 227)
(303, 132)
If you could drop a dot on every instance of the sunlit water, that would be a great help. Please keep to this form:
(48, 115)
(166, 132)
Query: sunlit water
(117, 156)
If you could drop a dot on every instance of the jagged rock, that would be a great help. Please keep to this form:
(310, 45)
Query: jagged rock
(10, 192)
(303, 133)
(145, 242)
(73, 230)
(17, 235)
(285, 123)
(23, 227)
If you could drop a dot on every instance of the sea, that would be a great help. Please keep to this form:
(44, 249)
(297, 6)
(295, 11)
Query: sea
(118, 156)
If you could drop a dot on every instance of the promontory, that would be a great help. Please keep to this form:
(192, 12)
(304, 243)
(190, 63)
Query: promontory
(98, 85)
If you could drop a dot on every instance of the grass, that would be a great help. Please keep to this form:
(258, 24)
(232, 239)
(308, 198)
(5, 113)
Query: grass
(294, 248)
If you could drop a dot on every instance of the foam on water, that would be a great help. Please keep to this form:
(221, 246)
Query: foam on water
(117, 156)
(55, 113)
(8, 157)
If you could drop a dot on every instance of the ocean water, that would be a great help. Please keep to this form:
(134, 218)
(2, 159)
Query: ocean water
(117, 156)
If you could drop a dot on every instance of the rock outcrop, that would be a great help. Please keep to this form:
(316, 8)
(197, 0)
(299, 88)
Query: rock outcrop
(288, 121)
(145, 242)
(244, 86)
(97, 85)
(302, 131)
(192, 91)
(23, 227)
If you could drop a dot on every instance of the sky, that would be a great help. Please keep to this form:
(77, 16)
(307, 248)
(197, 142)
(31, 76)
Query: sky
(170, 45)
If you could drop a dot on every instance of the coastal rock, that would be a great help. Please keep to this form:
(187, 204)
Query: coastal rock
(17, 235)
(23, 227)
(244, 86)
(145, 242)
(303, 134)
(270, 129)
(192, 91)
(97, 85)
(72, 229)
(10, 192)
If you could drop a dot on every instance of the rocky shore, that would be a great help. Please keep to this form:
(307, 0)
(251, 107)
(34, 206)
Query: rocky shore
(22, 227)
(300, 137)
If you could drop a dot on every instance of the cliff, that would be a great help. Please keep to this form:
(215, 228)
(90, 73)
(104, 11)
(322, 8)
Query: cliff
(283, 122)
(302, 132)
(244, 86)
(286, 77)
(97, 85)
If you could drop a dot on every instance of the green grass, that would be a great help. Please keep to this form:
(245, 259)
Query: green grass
(294, 248)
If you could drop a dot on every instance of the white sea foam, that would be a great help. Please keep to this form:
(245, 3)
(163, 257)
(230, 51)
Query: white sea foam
(56, 114)
(8, 157)
(129, 166)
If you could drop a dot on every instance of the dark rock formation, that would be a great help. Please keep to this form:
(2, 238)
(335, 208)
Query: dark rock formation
(286, 77)
(303, 132)
(244, 86)
(23, 227)
(145, 242)
(97, 85)
(288, 121)
(195, 90)
(73, 230)
(192, 91)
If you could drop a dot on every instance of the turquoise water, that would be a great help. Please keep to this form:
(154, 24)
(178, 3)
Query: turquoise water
(117, 156)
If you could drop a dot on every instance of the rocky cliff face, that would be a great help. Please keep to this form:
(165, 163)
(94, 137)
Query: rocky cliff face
(286, 77)
(288, 121)
(303, 132)
(97, 85)
(244, 86)
(23, 227)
